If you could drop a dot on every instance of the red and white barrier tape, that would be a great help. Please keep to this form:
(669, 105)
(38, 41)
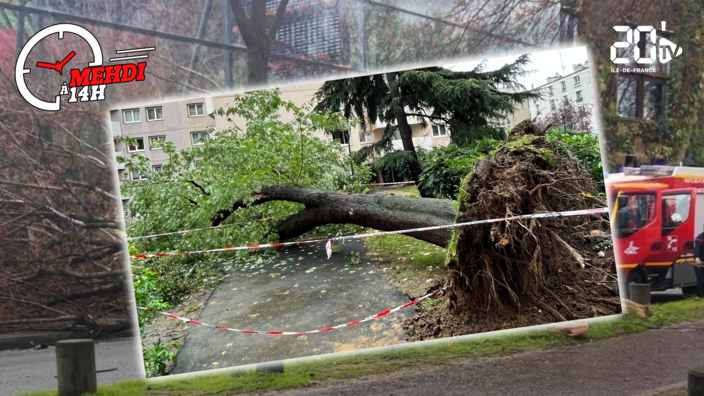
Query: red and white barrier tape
(266, 245)
(198, 229)
(388, 184)
(368, 318)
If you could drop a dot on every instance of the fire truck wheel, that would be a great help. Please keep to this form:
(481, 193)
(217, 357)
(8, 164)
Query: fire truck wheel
(635, 276)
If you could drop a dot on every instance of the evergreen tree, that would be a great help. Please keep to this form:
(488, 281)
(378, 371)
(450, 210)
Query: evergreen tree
(468, 102)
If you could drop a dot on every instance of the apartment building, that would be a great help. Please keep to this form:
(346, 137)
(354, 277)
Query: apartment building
(353, 140)
(184, 123)
(576, 86)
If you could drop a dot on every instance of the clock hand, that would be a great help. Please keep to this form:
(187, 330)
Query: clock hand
(59, 65)
(63, 62)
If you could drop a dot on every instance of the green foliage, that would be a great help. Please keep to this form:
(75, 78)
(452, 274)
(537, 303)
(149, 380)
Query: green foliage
(586, 148)
(444, 168)
(235, 162)
(396, 161)
(469, 102)
(146, 296)
(156, 357)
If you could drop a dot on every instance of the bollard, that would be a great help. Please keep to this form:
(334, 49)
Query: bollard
(695, 381)
(640, 293)
(75, 367)
(272, 367)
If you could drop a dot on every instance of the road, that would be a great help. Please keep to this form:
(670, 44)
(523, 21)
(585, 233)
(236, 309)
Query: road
(628, 365)
(30, 370)
(310, 292)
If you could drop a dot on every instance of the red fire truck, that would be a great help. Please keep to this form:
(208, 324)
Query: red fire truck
(657, 213)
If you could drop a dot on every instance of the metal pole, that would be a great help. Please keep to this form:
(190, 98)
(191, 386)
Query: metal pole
(227, 38)
(201, 32)
(19, 36)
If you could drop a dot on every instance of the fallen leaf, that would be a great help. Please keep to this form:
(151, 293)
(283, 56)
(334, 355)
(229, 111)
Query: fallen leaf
(254, 303)
(234, 289)
(212, 302)
(215, 363)
(228, 345)
(224, 352)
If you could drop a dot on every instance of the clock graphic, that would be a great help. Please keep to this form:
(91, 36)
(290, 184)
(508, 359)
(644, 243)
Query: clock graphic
(60, 30)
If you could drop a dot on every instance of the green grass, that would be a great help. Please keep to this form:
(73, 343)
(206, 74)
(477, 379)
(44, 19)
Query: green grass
(410, 188)
(380, 363)
(191, 308)
(407, 251)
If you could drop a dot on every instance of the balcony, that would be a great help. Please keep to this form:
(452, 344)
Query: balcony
(119, 165)
(425, 142)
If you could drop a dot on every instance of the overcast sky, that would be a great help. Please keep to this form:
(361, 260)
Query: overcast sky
(544, 64)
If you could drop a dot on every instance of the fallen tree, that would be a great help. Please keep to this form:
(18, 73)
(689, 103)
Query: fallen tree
(381, 212)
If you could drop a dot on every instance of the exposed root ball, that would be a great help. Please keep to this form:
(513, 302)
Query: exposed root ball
(499, 271)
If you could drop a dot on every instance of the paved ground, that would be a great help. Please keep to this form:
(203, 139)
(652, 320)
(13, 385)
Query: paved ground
(30, 370)
(629, 365)
(312, 293)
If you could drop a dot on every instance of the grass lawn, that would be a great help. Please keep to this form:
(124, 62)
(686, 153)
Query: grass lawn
(411, 265)
(380, 363)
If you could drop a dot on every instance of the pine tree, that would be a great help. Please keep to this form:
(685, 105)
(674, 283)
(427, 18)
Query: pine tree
(468, 102)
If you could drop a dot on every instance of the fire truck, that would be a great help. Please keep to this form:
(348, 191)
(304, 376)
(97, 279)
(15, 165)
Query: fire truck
(657, 213)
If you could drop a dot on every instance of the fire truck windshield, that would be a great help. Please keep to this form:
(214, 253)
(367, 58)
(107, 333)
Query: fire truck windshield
(634, 211)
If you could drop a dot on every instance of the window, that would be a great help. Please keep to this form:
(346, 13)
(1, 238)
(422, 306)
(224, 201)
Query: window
(156, 139)
(626, 97)
(131, 116)
(195, 110)
(641, 96)
(138, 147)
(155, 114)
(137, 176)
(342, 136)
(199, 138)
(439, 131)
(634, 211)
(158, 169)
(397, 134)
(565, 100)
(550, 90)
(675, 211)
(564, 85)
(653, 101)
(579, 96)
(366, 137)
(552, 104)
(576, 80)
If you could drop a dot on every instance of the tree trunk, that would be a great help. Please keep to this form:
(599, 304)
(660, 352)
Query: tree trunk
(405, 131)
(378, 211)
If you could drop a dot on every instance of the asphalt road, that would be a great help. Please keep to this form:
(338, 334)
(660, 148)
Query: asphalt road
(626, 365)
(310, 292)
(30, 370)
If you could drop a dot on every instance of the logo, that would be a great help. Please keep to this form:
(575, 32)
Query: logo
(672, 243)
(662, 50)
(631, 249)
(86, 84)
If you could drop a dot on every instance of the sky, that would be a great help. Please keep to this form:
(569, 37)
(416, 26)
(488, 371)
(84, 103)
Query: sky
(544, 64)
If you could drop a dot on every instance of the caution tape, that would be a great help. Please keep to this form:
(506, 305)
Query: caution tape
(368, 318)
(388, 184)
(197, 229)
(267, 245)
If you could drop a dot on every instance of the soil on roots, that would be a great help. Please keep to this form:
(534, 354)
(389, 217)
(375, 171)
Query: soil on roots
(519, 273)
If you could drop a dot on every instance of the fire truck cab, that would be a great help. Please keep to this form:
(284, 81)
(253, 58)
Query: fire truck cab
(657, 213)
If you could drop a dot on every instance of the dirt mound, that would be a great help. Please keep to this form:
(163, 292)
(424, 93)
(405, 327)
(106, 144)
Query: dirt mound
(520, 273)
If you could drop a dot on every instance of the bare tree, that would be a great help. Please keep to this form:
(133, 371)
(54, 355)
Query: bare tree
(569, 116)
(62, 239)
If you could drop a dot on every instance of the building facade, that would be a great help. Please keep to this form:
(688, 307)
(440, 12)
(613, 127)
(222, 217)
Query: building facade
(575, 87)
(184, 123)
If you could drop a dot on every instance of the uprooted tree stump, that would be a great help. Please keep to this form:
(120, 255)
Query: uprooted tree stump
(508, 269)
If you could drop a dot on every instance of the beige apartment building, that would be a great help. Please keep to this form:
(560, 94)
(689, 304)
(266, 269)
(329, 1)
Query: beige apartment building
(186, 122)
